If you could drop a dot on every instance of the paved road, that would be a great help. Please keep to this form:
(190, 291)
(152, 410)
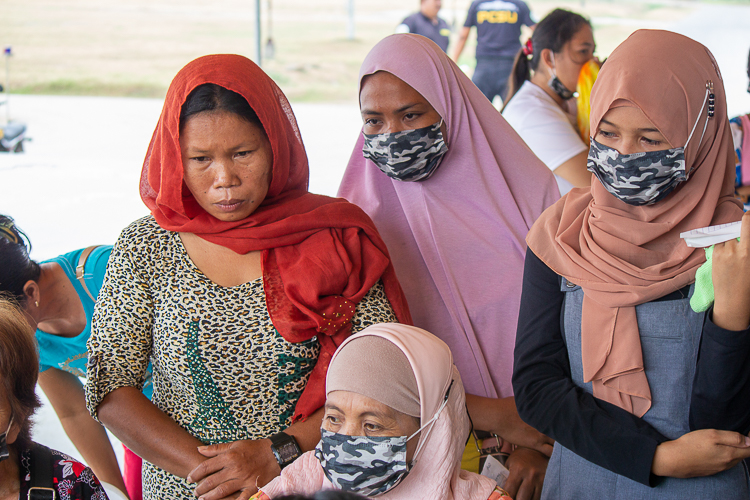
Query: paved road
(77, 182)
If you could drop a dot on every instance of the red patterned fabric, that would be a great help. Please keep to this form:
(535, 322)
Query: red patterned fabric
(320, 255)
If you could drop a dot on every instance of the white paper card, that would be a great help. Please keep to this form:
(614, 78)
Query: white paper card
(493, 469)
(711, 235)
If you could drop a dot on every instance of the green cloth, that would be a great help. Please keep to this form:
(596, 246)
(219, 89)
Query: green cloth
(703, 296)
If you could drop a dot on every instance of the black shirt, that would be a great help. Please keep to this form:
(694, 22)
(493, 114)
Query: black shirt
(721, 389)
(602, 433)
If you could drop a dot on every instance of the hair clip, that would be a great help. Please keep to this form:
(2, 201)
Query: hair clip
(528, 48)
(6, 231)
(711, 101)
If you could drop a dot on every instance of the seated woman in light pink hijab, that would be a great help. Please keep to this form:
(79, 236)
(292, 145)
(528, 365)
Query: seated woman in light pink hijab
(395, 424)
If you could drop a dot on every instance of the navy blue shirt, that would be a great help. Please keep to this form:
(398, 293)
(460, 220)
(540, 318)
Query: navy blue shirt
(498, 25)
(422, 25)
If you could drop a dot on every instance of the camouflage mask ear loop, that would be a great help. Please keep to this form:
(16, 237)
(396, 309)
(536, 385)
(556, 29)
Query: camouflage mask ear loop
(428, 425)
(7, 232)
(709, 97)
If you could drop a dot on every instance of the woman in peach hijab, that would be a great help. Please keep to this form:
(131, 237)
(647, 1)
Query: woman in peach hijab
(606, 345)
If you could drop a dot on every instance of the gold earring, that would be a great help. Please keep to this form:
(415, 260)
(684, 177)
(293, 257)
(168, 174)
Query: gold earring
(36, 303)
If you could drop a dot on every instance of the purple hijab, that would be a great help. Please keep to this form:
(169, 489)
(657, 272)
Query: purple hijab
(457, 239)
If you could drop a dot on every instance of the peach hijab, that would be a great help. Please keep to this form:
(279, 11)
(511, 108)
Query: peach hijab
(623, 255)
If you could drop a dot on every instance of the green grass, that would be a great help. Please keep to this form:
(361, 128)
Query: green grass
(92, 88)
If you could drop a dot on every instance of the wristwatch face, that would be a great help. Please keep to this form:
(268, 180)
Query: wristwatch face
(287, 451)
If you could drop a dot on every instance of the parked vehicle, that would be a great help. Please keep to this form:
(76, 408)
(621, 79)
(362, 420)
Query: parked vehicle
(12, 133)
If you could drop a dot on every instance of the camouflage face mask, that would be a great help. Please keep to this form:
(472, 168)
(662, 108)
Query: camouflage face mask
(411, 155)
(647, 177)
(638, 178)
(366, 465)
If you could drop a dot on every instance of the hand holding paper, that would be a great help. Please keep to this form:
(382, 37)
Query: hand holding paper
(731, 280)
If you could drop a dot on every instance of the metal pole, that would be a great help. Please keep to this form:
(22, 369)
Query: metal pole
(257, 33)
(7, 85)
(350, 24)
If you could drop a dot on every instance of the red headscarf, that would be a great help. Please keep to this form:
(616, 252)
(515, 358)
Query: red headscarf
(320, 255)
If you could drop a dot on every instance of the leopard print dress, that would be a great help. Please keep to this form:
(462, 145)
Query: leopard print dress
(220, 368)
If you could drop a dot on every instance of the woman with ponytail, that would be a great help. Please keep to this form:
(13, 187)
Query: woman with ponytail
(540, 104)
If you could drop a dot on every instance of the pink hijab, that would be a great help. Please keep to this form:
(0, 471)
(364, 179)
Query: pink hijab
(437, 469)
(457, 239)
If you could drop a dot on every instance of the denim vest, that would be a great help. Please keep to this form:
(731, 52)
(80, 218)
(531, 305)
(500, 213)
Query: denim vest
(670, 336)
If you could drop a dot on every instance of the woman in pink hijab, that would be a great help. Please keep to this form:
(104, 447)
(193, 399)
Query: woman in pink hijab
(607, 341)
(453, 191)
(395, 424)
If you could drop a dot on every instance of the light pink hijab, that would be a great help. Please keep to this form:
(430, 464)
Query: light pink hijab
(457, 239)
(437, 469)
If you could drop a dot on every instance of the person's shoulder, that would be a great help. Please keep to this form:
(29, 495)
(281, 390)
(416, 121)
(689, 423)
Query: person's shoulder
(145, 223)
(144, 229)
(531, 103)
(521, 4)
(737, 120)
(498, 4)
(64, 466)
(407, 25)
(542, 102)
(40, 449)
(409, 20)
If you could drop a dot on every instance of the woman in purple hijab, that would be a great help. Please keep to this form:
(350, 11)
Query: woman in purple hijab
(453, 190)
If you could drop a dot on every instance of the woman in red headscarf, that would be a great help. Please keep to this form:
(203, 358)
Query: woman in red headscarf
(238, 288)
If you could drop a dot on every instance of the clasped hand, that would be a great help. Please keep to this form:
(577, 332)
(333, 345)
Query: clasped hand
(527, 468)
(700, 453)
(234, 470)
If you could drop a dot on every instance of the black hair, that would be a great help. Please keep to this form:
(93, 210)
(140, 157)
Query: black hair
(212, 97)
(17, 267)
(553, 32)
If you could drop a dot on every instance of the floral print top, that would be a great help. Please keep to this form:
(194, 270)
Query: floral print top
(71, 479)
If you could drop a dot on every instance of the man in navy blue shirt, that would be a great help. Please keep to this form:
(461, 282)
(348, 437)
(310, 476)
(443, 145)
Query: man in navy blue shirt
(498, 24)
(427, 23)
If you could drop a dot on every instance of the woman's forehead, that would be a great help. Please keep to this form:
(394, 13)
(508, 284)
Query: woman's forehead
(387, 90)
(354, 405)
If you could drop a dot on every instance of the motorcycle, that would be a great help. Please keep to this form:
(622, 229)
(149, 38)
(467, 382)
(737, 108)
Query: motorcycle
(12, 134)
